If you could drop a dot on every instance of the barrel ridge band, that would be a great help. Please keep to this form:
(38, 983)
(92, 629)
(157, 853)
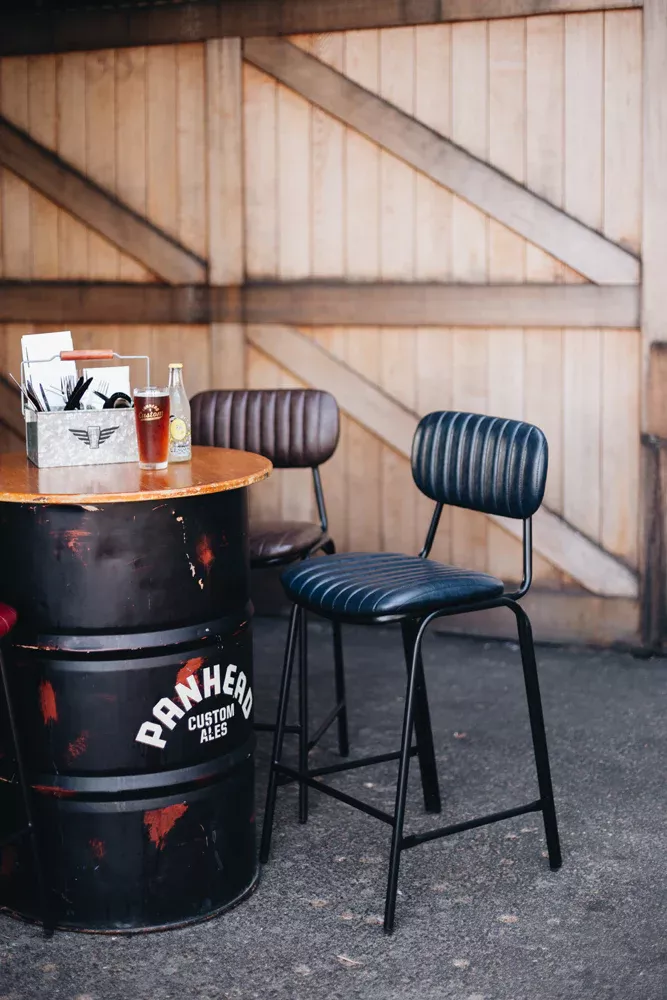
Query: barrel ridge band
(68, 786)
(134, 643)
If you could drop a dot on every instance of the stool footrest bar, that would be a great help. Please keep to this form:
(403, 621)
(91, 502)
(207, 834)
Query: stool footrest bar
(413, 839)
(350, 800)
(269, 727)
(350, 765)
(328, 721)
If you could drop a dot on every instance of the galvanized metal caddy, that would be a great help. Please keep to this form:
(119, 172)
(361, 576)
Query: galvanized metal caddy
(82, 437)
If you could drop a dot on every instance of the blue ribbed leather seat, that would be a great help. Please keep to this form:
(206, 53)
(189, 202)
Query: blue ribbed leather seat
(383, 583)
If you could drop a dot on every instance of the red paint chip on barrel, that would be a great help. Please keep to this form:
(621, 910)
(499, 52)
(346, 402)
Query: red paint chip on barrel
(47, 702)
(160, 821)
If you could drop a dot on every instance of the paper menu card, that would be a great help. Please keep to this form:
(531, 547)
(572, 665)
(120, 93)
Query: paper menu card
(117, 379)
(38, 347)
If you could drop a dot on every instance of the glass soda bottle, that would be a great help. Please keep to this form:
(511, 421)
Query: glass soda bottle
(180, 436)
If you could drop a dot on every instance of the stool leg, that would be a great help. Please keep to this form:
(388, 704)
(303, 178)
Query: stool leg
(47, 918)
(401, 792)
(303, 715)
(426, 753)
(539, 736)
(278, 735)
(339, 675)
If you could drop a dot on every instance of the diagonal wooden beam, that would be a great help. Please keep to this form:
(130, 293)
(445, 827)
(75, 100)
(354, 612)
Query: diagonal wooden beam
(548, 227)
(114, 26)
(71, 190)
(555, 539)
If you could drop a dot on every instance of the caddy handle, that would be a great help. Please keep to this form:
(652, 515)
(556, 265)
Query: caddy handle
(103, 354)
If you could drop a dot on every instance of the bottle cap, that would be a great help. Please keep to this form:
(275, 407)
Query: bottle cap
(176, 364)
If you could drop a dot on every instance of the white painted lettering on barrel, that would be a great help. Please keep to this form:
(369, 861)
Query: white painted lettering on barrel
(150, 734)
(247, 703)
(239, 690)
(228, 686)
(211, 683)
(188, 692)
(167, 711)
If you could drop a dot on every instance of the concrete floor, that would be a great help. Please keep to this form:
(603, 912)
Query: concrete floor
(480, 916)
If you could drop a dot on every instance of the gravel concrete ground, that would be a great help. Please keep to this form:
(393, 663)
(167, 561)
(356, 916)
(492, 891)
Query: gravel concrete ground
(480, 916)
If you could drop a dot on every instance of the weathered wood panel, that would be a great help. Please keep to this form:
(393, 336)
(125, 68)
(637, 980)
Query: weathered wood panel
(58, 31)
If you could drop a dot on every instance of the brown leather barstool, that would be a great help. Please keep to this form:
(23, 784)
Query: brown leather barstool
(7, 621)
(295, 429)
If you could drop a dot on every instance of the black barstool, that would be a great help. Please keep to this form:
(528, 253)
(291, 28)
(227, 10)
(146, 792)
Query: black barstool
(482, 463)
(7, 621)
(294, 429)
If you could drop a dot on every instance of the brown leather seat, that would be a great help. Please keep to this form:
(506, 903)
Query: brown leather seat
(283, 541)
(295, 429)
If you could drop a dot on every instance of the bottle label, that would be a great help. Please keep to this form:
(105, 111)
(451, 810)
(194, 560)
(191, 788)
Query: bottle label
(178, 429)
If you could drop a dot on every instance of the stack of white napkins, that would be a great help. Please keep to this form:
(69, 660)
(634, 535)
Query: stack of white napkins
(40, 347)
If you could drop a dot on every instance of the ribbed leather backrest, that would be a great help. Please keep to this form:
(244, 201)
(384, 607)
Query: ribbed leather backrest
(483, 463)
(294, 428)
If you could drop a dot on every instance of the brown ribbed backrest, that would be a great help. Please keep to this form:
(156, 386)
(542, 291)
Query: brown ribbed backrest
(294, 428)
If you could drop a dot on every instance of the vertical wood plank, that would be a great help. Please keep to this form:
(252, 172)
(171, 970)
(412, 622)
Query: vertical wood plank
(71, 143)
(543, 361)
(103, 258)
(433, 252)
(15, 193)
(583, 197)
(544, 127)
(328, 155)
(470, 128)
(294, 184)
(620, 458)
(191, 147)
(621, 350)
(584, 76)
(623, 127)
(397, 255)
(162, 167)
(362, 260)
(224, 118)
(364, 451)
(131, 151)
(260, 177)
(362, 165)
(224, 137)
(581, 436)
(42, 126)
(328, 256)
(654, 203)
(433, 106)
(507, 252)
(261, 242)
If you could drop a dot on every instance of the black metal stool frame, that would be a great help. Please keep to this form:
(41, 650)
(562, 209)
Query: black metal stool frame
(338, 713)
(416, 699)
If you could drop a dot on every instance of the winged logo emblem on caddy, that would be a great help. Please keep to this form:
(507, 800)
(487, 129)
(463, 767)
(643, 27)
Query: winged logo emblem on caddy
(94, 436)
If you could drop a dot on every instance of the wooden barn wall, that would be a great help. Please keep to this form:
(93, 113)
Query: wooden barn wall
(264, 185)
(555, 103)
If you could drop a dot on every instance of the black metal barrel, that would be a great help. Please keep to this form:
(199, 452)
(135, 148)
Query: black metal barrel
(131, 672)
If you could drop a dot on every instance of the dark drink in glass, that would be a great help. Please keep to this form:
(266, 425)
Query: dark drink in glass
(151, 414)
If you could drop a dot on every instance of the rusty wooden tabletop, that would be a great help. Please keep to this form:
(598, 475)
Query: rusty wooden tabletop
(211, 470)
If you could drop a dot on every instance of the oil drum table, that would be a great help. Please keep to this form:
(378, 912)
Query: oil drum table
(131, 676)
